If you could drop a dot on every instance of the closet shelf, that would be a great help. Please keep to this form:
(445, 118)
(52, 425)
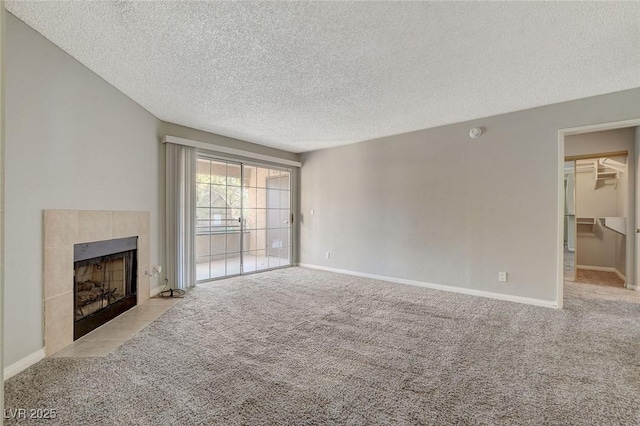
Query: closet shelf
(605, 171)
(616, 224)
(585, 224)
(586, 220)
(604, 175)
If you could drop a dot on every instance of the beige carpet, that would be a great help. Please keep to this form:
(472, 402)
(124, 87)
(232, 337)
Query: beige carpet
(605, 278)
(299, 346)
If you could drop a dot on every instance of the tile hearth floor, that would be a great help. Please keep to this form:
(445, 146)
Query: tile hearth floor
(109, 337)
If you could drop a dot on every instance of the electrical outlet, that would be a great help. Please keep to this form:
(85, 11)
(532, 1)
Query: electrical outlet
(502, 277)
(327, 255)
(312, 212)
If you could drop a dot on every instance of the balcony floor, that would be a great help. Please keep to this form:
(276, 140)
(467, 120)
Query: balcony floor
(232, 264)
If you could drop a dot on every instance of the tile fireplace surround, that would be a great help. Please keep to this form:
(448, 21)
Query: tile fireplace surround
(63, 229)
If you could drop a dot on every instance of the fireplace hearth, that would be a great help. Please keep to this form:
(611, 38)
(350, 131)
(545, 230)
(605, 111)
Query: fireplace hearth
(104, 282)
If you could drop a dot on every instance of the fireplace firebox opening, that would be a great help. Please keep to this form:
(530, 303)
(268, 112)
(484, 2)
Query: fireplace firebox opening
(105, 278)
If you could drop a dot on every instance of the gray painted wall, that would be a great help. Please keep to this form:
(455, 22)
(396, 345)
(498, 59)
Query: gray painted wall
(2, 204)
(72, 142)
(438, 207)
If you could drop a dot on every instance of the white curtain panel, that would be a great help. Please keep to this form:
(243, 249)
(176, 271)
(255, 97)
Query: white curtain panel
(180, 215)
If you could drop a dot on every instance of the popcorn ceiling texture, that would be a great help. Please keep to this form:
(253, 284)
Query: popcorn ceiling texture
(303, 76)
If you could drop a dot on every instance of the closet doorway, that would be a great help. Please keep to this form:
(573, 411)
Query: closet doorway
(243, 218)
(596, 211)
(588, 142)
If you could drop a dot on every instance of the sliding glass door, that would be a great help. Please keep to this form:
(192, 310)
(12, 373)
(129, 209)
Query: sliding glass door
(267, 218)
(243, 218)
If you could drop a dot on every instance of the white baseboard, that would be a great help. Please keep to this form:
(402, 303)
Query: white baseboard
(23, 364)
(462, 290)
(620, 274)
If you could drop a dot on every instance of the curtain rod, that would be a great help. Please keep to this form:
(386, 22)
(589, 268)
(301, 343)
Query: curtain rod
(227, 150)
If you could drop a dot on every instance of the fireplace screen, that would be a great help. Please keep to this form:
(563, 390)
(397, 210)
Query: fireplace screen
(104, 282)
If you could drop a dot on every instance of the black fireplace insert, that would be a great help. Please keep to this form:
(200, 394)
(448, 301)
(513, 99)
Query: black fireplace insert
(105, 278)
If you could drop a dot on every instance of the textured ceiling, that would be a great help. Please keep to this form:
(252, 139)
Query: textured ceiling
(308, 75)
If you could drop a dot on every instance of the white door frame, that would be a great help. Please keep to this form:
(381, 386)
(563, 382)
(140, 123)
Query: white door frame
(633, 183)
(2, 59)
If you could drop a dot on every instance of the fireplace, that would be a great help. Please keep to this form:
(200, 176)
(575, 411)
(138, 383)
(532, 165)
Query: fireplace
(104, 283)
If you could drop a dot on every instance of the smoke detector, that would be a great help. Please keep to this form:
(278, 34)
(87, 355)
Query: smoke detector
(475, 132)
